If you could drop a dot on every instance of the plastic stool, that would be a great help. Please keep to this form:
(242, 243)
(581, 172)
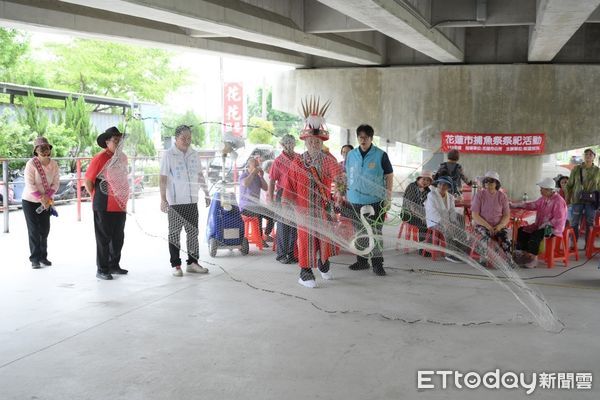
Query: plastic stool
(252, 231)
(590, 246)
(411, 232)
(564, 248)
(550, 254)
(436, 238)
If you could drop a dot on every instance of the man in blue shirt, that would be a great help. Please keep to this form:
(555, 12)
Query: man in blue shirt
(370, 178)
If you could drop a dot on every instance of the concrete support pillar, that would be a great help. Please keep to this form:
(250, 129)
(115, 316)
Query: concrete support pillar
(518, 174)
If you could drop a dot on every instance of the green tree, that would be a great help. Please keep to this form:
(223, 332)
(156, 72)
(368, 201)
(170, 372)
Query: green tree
(33, 115)
(137, 142)
(15, 138)
(282, 122)
(261, 133)
(13, 46)
(116, 70)
(16, 64)
(189, 118)
(78, 126)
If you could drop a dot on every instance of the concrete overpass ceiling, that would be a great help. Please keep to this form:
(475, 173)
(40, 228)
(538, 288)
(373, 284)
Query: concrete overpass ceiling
(86, 22)
(240, 20)
(556, 22)
(400, 21)
(335, 33)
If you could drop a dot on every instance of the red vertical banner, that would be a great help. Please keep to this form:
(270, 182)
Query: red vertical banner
(233, 108)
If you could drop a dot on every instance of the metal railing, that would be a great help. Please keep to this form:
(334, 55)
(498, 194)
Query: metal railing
(150, 176)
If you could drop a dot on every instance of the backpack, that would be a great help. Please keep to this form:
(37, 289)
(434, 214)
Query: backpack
(453, 172)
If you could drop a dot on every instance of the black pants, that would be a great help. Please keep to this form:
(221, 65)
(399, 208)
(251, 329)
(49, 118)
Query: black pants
(183, 216)
(270, 225)
(530, 242)
(376, 222)
(110, 235)
(38, 228)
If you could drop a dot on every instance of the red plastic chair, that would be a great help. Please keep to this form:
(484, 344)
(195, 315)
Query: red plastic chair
(436, 238)
(252, 231)
(411, 232)
(590, 246)
(564, 249)
(560, 249)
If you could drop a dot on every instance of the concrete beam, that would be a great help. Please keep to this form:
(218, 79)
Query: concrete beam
(79, 21)
(595, 17)
(463, 13)
(318, 18)
(242, 21)
(399, 21)
(556, 22)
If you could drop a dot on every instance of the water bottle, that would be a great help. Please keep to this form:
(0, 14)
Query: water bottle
(525, 197)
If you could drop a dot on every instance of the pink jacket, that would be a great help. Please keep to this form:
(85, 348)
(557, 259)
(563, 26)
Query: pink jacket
(550, 211)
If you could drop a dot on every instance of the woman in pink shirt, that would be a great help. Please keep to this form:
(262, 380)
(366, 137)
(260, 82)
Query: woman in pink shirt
(550, 220)
(491, 213)
(41, 182)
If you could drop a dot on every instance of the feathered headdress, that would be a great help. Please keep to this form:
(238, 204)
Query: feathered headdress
(314, 118)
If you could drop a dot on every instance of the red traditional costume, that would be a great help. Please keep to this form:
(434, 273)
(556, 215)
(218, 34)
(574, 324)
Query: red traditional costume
(310, 179)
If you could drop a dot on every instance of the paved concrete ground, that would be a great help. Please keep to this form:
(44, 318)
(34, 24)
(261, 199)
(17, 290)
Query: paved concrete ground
(249, 331)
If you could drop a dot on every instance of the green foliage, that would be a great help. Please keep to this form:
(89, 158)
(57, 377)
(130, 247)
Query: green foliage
(137, 143)
(61, 140)
(261, 134)
(151, 175)
(282, 122)
(33, 116)
(115, 70)
(13, 46)
(190, 119)
(15, 139)
(78, 125)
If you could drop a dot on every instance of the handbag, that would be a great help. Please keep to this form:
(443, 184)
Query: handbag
(585, 196)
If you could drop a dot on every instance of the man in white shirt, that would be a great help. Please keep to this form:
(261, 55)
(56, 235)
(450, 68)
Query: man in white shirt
(180, 180)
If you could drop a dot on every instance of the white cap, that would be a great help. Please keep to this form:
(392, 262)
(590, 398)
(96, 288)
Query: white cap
(493, 175)
(547, 183)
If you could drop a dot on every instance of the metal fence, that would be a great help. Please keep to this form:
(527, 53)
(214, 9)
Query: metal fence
(144, 177)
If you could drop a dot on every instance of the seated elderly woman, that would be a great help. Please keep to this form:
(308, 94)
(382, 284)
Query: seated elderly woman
(414, 200)
(549, 221)
(491, 212)
(441, 215)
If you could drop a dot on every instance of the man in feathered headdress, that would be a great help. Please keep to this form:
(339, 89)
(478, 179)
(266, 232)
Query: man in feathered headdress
(310, 179)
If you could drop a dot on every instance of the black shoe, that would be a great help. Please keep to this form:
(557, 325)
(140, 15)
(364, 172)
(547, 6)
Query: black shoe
(357, 266)
(265, 244)
(324, 267)
(104, 275)
(45, 263)
(118, 271)
(291, 260)
(378, 270)
(35, 264)
(306, 274)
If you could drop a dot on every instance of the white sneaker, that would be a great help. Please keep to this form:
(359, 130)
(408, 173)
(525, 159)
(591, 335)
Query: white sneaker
(194, 267)
(177, 271)
(309, 284)
(453, 259)
(327, 275)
